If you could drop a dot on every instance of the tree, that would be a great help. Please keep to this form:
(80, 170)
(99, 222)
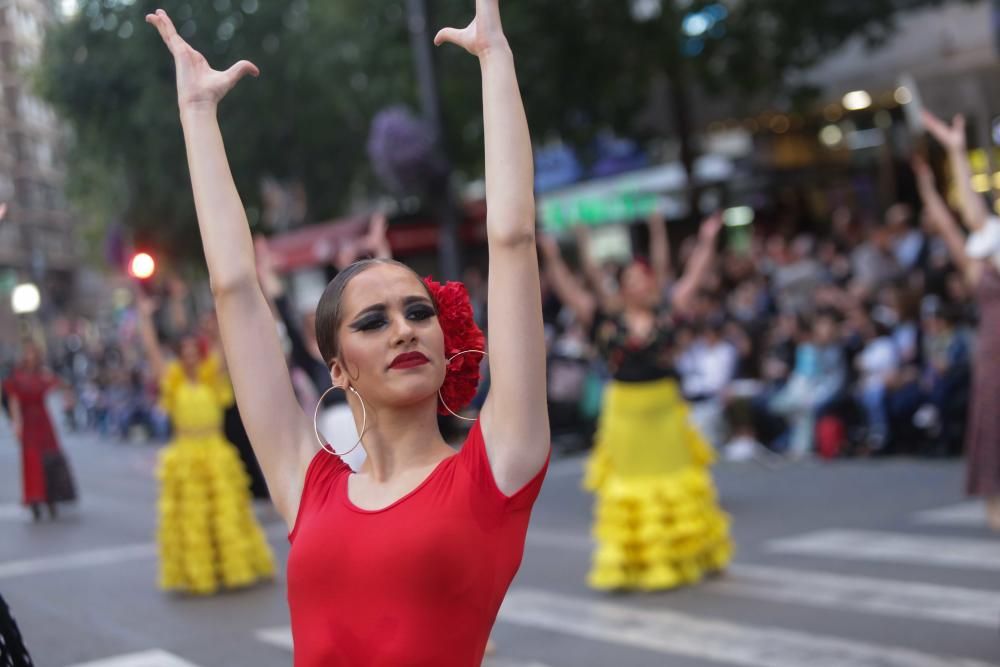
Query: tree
(329, 67)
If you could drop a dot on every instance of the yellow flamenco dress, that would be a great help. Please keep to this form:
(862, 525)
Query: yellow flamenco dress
(657, 520)
(208, 535)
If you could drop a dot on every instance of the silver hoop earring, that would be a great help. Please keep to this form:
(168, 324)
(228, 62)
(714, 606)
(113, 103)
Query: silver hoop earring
(441, 398)
(364, 422)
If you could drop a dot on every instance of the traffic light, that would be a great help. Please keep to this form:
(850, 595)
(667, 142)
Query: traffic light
(142, 266)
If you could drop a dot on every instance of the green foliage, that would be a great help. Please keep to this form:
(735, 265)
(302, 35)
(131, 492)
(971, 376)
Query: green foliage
(328, 66)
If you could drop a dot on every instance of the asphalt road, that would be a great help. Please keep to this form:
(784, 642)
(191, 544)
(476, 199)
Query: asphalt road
(860, 564)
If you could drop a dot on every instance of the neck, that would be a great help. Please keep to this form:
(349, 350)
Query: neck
(399, 439)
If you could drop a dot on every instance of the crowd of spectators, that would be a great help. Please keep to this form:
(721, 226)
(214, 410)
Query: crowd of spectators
(854, 340)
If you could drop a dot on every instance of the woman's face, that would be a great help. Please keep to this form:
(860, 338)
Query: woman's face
(30, 356)
(391, 347)
(639, 286)
(190, 355)
(825, 331)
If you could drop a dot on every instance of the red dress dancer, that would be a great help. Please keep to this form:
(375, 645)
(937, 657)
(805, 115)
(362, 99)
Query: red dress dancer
(45, 475)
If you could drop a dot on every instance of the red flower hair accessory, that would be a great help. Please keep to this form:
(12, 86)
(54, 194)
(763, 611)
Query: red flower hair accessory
(460, 335)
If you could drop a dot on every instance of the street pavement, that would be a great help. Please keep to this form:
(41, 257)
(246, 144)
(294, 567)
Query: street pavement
(845, 564)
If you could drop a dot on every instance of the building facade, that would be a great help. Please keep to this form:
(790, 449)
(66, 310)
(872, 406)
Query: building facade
(37, 241)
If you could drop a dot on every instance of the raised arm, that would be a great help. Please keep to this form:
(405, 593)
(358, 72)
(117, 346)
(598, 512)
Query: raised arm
(566, 286)
(274, 291)
(943, 222)
(609, 300)
(659, 248)
(145, 308)
(514, 419)
(952, 137)
(280, 433)
(177, 305)
(699, 265)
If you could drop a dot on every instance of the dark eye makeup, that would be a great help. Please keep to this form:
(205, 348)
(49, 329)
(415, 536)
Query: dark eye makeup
(375, 319)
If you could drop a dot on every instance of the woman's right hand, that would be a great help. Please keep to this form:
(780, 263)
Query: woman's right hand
(952, 137)
(198, 85)
(267, 275)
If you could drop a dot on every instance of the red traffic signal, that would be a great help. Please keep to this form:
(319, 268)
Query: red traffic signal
(142, 266)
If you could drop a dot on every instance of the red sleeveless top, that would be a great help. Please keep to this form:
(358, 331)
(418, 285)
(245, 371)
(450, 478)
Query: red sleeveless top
(418, 583)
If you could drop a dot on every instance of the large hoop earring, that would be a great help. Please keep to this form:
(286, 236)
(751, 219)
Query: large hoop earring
(441, 398)
(326, 447)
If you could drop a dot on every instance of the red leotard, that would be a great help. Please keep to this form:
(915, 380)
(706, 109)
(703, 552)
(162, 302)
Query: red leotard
(417, 583)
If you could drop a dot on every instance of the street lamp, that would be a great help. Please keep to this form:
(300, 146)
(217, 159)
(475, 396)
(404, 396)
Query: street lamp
(25, 299)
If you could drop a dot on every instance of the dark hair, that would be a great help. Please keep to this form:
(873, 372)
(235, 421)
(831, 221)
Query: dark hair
(328, 310)
(178, 341)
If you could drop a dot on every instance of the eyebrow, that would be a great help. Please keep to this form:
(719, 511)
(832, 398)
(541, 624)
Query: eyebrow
(381, 307)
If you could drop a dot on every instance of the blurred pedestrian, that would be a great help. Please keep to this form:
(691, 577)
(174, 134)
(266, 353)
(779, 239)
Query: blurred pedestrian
(657, 522)
(45, 473)
(421, 536)
(336, 421)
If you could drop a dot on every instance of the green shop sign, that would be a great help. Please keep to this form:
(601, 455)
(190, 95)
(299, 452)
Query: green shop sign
(558, 213)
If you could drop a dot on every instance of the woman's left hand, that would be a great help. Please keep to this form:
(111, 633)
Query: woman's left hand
(483, 34)
(711, 227)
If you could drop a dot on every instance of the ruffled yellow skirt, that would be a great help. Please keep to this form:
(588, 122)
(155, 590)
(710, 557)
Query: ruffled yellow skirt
(657, 520)
(208, 535)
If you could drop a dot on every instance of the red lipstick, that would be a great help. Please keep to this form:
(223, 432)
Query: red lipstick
(409, 360)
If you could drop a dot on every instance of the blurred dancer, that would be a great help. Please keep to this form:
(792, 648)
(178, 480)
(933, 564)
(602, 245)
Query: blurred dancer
(336, 422)
(408, 560)
(978, 259)
(208, 536)
(45, 473)
(657, 522)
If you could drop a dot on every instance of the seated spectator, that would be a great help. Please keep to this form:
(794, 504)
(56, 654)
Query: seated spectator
(816, 381)
(927, 403)
(876, 365)
(706, 367)
(908, 241)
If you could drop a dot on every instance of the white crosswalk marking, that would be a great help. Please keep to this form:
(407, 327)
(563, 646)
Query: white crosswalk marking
(893, 548)
(972, 513)
(877, 596)
(903, 599)
(154, 658)
(280, 637)
(109, 556)
(673, 633)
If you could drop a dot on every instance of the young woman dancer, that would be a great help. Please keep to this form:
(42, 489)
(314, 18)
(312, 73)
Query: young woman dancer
(207, 534)
(977, 258)
(46, 479)
(405, 562)
(656, 520)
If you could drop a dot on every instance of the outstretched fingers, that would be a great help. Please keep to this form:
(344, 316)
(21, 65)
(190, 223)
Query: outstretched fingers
(948, 135)
(167, 31)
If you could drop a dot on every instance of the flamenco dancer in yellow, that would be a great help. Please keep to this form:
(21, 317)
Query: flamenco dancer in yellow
(657, 522)
(208, 536)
